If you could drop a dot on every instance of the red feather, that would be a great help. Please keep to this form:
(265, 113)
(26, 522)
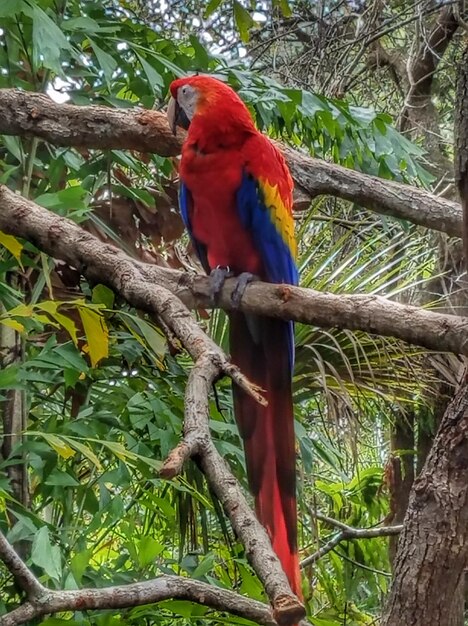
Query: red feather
(268, 432)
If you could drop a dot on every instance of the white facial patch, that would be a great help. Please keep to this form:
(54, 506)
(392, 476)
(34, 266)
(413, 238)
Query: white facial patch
(187, 100)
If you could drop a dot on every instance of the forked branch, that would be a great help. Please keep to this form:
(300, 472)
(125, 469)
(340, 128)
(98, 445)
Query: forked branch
(64, 239)
(42, 601)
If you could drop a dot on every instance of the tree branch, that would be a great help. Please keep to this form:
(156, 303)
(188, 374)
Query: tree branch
(317, 177)
(29, 114)
(151, 288)
(23, 576)
(197, 441)
(32, 114)
(164, 587)
(103, 263)
(419, 110)
(347, 532)
(425, 62)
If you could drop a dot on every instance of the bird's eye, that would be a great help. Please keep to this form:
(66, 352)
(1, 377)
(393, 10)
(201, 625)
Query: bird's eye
(184, 90)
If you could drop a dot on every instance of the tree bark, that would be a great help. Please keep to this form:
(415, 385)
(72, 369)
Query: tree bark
(36, 115)
(433, 546)
(103, 263)
(461, 145)
(457, 611)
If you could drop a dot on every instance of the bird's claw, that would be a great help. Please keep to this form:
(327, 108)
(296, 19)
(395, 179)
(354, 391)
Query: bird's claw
(242, 281)
(217, 278)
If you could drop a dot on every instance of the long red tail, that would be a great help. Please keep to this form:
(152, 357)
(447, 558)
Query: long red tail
(261, 347)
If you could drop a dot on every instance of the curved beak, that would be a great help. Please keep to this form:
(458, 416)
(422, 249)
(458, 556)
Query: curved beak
(176, 116)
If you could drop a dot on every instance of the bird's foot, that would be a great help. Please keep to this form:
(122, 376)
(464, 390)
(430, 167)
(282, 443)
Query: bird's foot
(242, 281)
(217, 278)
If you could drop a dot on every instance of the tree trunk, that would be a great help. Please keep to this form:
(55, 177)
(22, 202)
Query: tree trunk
(433, 547)
(457, 611)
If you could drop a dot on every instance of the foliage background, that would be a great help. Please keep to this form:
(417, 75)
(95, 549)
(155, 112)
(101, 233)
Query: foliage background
(101, 394)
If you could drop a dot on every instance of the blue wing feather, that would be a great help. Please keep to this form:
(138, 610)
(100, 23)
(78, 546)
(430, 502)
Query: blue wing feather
(186, 203)
(278, 261)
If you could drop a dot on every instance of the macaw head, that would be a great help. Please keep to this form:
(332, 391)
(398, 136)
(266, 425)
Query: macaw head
(195, 97)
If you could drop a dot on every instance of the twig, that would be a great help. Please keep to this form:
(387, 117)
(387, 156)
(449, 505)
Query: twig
(346, 533)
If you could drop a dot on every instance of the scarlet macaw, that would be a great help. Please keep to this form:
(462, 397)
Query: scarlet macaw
(236, 202)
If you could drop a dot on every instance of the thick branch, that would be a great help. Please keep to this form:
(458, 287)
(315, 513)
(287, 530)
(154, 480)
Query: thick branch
(426, 61)
(419, 110)
(30, 114)
(137, 594)
(149, 288)
(197, 441)
(405, 202)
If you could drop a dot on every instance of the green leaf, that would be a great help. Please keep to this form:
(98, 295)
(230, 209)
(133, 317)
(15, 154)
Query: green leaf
(9, 377)
(103, 295)
(250, 584)
(107, 62)
(155, 339)
(180, 607)
(72, 197)
(22, 310)
(211, 7)
(364, 115)
(204, 567)
(71, 377)
(13, 145)
(62, 479)
(148, 550)
(84, 23)
(10, 7)
(155, 79)
(66, 322)
(48, 41)
(85, 451)
(57, 443)
(79, 563)
(46, 555)
(167, 63)
(13, 324)
(326, 118)
(243, 20)
(201, 56)
(119, 450)
(285, 8)
(71, 357)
